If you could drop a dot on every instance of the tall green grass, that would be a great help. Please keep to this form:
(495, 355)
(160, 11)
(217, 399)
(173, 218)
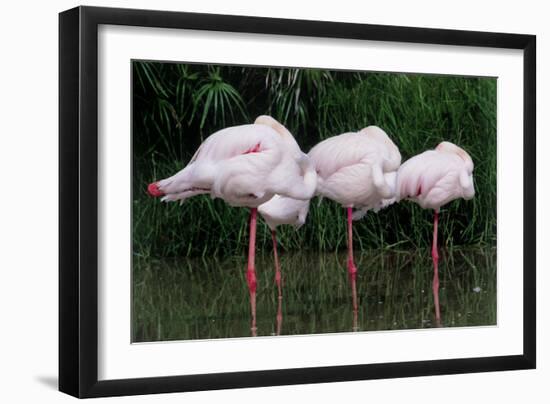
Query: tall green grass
(176, 106)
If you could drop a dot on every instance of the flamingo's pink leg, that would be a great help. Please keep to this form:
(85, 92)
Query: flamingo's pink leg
(352, 269)
(251, 270)
(277, 267)
(435, 258)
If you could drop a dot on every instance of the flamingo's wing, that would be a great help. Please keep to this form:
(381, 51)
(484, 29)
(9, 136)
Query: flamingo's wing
(348, 185)
(287, 138)
(432, 179)
(387, 151)
(337, 152)
(231, 161)
(244, 176)
(352, 148)
(419, 174)
(351, 168)
(281, 210)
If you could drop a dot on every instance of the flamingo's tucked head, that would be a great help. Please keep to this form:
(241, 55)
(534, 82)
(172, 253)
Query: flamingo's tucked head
(153, 190)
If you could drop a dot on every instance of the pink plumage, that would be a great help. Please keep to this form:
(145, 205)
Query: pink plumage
(281, 210)
(245, 166)
(436, 177)
(354, 169)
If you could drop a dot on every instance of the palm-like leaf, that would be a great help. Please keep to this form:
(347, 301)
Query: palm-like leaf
(293, 92)
(214, 98)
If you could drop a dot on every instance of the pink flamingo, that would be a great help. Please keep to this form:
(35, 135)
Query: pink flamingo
(357, 170)
(245, 166)
(433, 179)
(281, 210)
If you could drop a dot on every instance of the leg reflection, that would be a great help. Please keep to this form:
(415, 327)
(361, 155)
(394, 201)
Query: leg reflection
(352, 269)
(435, 288)
(435, 282)
(355, 326)
(278, 281)
(278, 277)
(253, 328)
(251, 270)
(279, 316)
(355, 306)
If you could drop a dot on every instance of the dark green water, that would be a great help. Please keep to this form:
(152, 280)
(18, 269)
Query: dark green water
(208, 298)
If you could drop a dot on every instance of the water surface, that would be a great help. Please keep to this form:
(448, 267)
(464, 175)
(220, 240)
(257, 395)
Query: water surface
(208, 298)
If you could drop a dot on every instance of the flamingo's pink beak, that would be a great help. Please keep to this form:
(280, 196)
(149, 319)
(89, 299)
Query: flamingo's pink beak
(154, 190)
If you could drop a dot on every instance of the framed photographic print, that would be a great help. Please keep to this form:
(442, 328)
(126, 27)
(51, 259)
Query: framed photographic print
(251, 201)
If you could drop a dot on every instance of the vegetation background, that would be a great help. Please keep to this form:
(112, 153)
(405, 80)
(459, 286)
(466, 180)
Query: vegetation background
(176, 106)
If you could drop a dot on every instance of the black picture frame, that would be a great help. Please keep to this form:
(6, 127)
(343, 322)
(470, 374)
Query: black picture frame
(78, 201)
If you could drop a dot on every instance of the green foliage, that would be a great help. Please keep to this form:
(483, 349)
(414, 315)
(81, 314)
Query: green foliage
(215, 98)
(292, 91)
(176, 106)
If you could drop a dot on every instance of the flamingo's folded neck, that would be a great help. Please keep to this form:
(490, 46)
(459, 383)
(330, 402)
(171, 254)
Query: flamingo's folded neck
(254, 149)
